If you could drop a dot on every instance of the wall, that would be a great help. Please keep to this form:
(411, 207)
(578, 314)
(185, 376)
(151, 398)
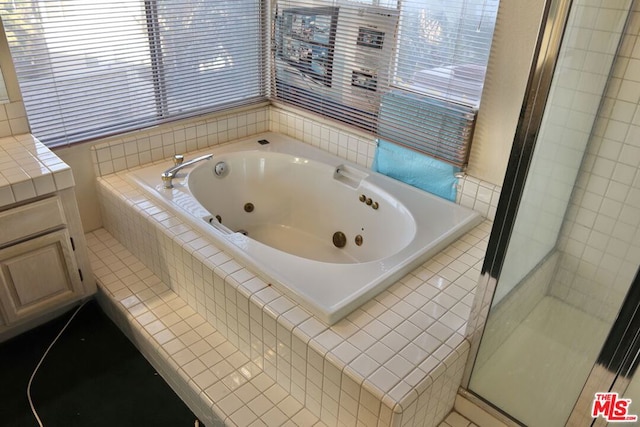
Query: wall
(13, 118)
(600, 238)
(507, 74)
(512, 49)
(79, 158)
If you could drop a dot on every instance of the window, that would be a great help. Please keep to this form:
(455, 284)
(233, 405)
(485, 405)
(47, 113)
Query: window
(333, 57)
(443, 48)
(92, 68)
(410, 71)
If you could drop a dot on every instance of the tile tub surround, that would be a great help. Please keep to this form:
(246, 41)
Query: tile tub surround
(473, 193)
(28, 169)
(383, 362)
(138, 148)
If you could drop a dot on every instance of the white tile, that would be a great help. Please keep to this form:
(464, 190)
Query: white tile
(63, 179)
(23, 190)
(247, 392)
(184, 356)
(275, 394)
(6, 196)
(345, 352)
(328, 339)
(260, 405)
(399, 366)
(364, 365)
(194, 368)
(234, 381)
(381, 352)
(44, 184)
(230, 404)
(243, 416)
(222, 369)
(205, 379)
(384, 379)
(362, 340)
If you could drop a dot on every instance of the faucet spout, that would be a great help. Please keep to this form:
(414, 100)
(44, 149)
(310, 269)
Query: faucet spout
(168, 175)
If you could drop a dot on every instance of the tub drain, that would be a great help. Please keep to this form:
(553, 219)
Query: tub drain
(339, 239)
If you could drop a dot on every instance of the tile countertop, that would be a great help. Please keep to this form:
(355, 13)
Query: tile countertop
(29, 169)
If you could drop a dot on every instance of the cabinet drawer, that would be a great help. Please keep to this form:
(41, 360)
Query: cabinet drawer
(31, 219)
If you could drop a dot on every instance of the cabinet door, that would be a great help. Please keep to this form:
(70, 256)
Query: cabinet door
(37, 275)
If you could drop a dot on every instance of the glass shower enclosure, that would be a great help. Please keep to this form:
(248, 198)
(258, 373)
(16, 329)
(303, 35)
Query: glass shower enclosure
(565, 246)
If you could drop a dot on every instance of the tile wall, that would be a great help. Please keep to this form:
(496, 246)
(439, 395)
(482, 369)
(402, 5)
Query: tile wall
(600, 238)
(582, 72)
(138, 148)
(473, 193)
(162, 142)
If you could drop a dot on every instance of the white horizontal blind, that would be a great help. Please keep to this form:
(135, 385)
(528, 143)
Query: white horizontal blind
(429, 125)
(410, 71)
(444, 47)
(92, 68)
(334, 57)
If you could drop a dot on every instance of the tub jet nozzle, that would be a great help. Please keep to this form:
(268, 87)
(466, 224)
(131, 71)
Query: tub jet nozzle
(339, 239)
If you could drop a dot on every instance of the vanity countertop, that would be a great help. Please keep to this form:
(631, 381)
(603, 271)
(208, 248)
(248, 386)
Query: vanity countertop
(29, 169)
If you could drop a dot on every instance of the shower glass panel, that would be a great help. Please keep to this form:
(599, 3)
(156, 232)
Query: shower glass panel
(575, 243)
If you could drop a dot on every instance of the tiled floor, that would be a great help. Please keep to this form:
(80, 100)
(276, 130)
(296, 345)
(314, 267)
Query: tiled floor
(454, 419)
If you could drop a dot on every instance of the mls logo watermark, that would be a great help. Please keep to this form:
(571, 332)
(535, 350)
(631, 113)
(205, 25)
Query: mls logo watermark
(612, 408)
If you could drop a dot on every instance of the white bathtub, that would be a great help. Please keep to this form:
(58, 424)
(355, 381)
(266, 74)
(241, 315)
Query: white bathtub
(278, 206)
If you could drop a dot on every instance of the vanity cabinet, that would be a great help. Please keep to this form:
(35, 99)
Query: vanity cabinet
(43, 261)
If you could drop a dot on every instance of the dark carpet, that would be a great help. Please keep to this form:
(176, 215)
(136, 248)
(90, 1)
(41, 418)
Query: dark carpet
(93, 376)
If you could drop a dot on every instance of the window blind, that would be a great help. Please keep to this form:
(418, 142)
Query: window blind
(444, 47)
(428, 125)
(92, 68)
(409, 71)
(334, 57)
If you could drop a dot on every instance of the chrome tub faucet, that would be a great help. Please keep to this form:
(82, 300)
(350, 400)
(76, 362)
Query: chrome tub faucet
(168, 175)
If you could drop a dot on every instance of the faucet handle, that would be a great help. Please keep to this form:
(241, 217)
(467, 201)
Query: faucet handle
(178, 159)
(166, 180)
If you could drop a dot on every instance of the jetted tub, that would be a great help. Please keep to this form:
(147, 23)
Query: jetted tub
(328, 233)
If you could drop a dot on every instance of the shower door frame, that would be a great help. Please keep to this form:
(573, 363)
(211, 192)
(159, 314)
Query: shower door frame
(546, 54)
